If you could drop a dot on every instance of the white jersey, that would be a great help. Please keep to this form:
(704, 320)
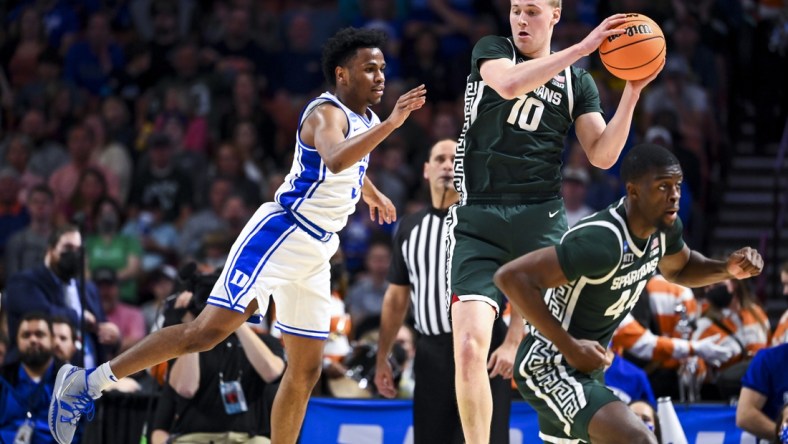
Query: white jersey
(319, 200)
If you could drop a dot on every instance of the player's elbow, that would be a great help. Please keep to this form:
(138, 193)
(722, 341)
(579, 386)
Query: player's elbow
(507, 90)
(336, 166)
(602, 161)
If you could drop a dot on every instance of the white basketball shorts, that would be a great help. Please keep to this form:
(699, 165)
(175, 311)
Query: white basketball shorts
(272, 256)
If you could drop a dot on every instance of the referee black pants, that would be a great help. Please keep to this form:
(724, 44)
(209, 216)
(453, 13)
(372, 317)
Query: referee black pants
(435, 416)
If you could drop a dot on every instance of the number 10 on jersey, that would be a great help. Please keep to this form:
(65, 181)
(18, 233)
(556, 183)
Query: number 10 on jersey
(530, 111)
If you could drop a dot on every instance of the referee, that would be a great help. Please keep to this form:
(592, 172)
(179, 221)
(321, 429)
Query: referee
(418, 274)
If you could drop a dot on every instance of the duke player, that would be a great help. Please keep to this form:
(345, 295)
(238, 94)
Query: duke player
(284, 249)
(596, 274)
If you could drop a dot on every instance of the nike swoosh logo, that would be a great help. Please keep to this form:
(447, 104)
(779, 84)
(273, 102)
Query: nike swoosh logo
(623, 266)
(552, 214)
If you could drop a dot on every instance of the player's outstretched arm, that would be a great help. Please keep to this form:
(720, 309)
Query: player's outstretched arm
(511, 80)
(692, 269)
(522, 281)
(326, 126)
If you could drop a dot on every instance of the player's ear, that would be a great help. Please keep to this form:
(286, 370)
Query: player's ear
(424, 172)
(341, 75)
(556, 16)
(632, 190)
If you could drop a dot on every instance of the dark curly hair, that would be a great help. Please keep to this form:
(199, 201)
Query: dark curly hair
(645, 158)
(343, 45)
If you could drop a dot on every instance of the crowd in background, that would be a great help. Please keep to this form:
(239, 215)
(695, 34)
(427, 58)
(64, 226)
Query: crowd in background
(158, 127)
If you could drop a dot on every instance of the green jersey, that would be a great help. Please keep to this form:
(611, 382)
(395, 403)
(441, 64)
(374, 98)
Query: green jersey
(607, 268)
(510, 151)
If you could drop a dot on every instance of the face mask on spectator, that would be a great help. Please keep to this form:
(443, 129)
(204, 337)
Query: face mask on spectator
(719, 297)
(108, 224)
(67, 265)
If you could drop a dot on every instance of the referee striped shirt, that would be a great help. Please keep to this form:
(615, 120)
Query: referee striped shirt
(419, 260)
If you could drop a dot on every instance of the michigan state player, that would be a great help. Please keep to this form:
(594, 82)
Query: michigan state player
(595, 276)
(520, 102)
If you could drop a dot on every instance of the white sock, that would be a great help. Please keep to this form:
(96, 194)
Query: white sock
(100, 379)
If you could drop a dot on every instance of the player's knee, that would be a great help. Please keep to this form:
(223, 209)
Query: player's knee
(201, 336)
(469, 348)
(304, 374)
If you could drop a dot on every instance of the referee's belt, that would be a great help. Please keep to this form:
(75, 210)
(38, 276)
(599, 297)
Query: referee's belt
(311, 228)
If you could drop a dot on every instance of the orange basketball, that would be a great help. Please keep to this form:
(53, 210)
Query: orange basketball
(638, 52)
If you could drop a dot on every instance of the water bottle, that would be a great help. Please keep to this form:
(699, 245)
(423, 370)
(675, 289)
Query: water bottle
(672, 432)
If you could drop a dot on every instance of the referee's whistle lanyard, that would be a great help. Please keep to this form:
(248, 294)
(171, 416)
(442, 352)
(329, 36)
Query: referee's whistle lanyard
(232, 392)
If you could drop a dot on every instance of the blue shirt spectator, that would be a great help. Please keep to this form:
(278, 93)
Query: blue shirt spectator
(628, 381)
(764, 391)
(93, 62)
(60, 20)
(26, 385)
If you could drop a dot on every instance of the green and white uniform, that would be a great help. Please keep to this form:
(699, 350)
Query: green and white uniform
(507, 170)
(607, 268)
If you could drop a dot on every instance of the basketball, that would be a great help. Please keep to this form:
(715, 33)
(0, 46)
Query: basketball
(638, 52)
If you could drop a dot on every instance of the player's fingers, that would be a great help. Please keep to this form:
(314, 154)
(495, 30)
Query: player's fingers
(385, 213)
(492, 361)
(419, 90)
(618, 16)
(755, 258)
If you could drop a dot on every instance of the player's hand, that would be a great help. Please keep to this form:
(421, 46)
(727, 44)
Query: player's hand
(384, 381)
(745, 263)
(407, 103)
(604, 30)
(381, 210)
(711, 352)
(501, 361)
(587, 356)
(638, 85)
